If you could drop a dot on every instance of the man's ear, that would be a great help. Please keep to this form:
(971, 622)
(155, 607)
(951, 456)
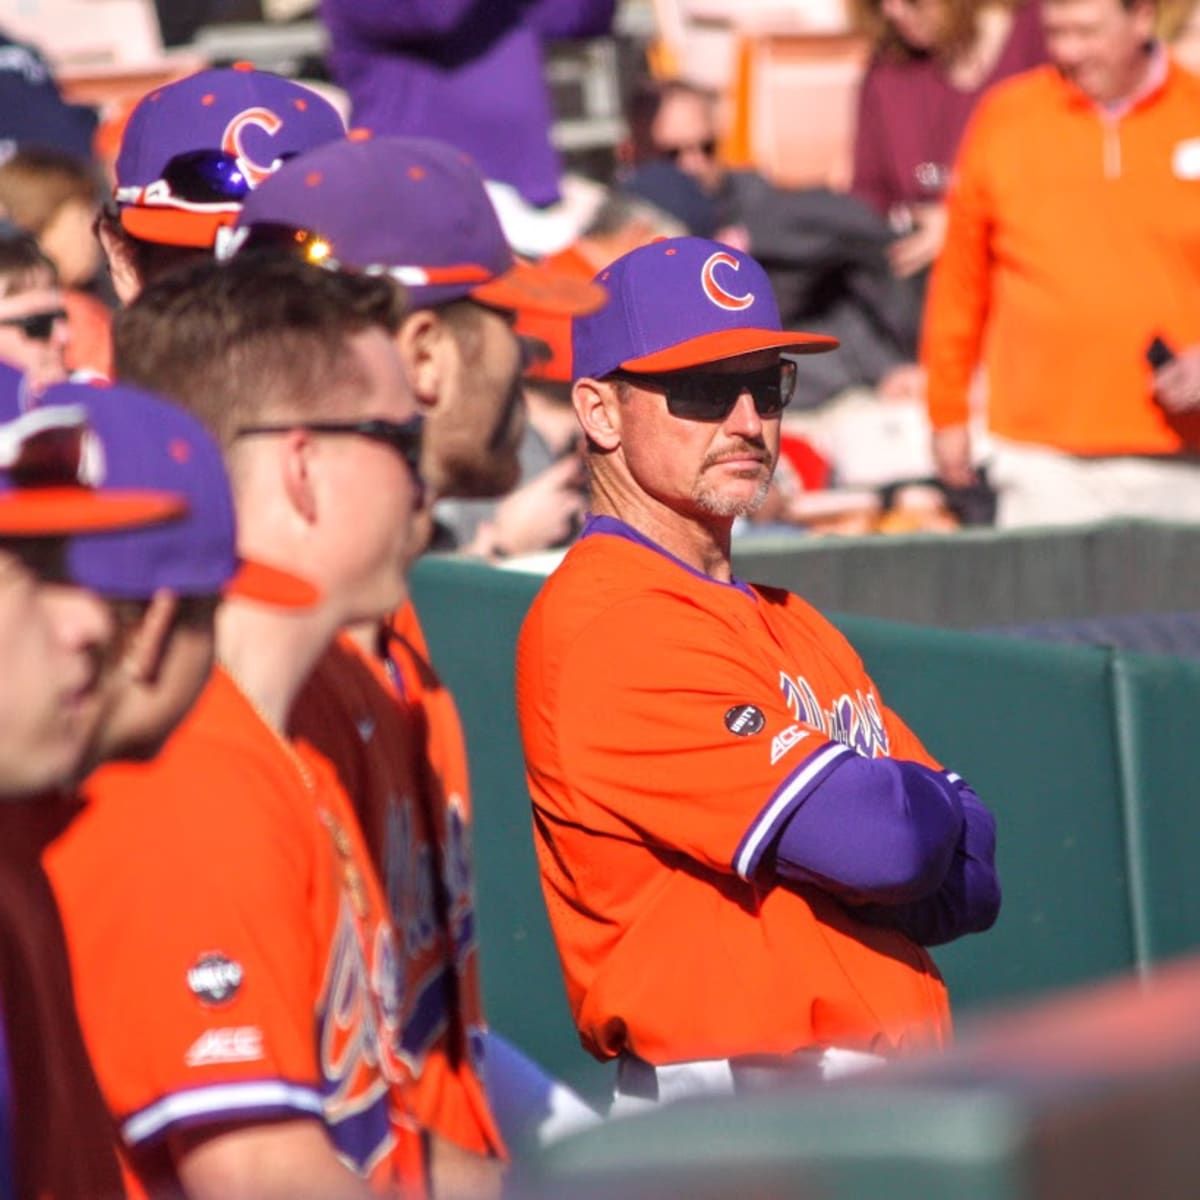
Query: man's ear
(296, 466)
(122, 266)
(598, 407)
(146, 645)
(423, 341)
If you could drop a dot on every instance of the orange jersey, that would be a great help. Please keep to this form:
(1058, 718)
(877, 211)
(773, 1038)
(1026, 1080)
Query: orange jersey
(231, 948)
(671, 724)
(392, 733)
(1073, 240)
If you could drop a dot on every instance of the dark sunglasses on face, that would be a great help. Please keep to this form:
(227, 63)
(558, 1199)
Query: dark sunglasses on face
(404, 437)
(708, 148)
(38, 327)
(708, 396)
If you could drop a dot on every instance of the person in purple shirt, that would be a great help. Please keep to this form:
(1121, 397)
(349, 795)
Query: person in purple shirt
(463, 72)
(933, 60)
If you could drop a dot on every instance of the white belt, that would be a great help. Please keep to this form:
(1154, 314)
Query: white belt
(641, 1084)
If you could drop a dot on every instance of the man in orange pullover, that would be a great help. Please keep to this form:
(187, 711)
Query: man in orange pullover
(1074, 243)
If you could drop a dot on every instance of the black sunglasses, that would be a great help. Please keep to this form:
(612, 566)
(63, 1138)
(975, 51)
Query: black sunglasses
(206, 177)
(402, 436)
(708, 148)
(38, 327)
(708, 396)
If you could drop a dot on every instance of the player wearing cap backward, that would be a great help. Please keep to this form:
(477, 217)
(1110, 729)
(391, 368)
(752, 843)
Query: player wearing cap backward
(417, 212)
(55, 641)
(235, 979)
(743, 851)
(191, 152)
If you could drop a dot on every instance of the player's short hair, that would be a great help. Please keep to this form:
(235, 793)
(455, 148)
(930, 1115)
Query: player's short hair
(23, 265)
(262, 337)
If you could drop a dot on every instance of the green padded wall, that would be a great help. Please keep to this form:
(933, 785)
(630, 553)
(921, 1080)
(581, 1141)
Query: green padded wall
(1031, 727)
(979, 577)
(1157, 708)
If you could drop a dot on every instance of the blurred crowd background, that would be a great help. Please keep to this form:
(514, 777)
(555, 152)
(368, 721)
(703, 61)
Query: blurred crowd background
(820, 135)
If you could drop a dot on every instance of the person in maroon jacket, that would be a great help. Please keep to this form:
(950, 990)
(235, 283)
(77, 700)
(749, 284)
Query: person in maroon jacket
(932, 61)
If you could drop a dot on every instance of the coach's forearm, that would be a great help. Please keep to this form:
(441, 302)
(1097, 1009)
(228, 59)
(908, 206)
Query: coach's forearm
(875, 831)
(968, 900)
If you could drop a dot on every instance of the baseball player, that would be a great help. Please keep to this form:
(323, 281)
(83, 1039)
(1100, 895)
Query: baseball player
(744, 852)
(417, 211)
(236, 978)
(56, 479)
(191, 153)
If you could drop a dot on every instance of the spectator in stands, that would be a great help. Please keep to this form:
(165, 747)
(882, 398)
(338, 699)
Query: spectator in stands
(33, 321)
(465, 73)
(932, 61)
(55, 197)
(1073, 244)
(1179, 26)
(32, 110)
(824, 251)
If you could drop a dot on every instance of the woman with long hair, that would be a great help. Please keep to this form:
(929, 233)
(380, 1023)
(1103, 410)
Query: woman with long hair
(932, 61)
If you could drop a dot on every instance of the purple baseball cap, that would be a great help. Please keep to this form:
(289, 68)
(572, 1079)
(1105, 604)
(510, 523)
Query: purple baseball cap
(193, 149)
(51, 481)
(682, 302)
(411, 208)
(143, 442)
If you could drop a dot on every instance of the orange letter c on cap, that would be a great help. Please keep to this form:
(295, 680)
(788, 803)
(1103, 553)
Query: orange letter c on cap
(231, 143)
(714, 291)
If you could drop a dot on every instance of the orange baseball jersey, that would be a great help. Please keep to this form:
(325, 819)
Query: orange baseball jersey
(391, 730)
(671, 725)
(231, 949)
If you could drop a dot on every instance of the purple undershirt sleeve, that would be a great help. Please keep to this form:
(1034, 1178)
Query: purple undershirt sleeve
(968, 900)
(881, 831)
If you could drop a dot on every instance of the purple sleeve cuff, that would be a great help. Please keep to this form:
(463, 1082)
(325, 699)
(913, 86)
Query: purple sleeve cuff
(872, 830)
(968, 900)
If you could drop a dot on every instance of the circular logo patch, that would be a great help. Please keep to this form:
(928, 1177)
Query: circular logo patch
(744, 720)
(215, 979)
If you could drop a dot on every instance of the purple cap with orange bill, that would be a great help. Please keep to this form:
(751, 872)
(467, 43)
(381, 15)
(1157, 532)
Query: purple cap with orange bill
(52, 476)
(193, 150)
(414, 209)
(679, 303)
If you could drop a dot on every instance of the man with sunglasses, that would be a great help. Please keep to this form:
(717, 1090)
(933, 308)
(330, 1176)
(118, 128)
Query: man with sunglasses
(743, 851)
(33, 321)
(235, 979)
(191, 153)
(417, 211)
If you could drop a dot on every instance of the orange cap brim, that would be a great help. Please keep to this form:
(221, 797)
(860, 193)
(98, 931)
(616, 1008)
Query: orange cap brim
(174, 227)
(729, 343)
(530, 287)
(258, 581)
(60, 512)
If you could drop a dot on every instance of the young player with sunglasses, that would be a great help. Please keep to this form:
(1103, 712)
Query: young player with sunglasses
(235, 979)
(744, 852)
